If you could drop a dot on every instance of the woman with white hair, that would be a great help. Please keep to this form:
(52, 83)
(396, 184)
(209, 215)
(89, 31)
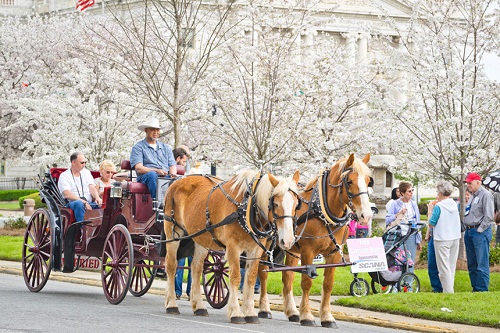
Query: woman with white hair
(445, 219)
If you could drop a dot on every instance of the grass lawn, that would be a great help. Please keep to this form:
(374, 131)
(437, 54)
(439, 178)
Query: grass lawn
(479, 309)
(11, 248)
(9, 205)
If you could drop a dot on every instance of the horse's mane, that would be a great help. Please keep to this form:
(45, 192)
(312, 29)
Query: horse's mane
(241, 181)
(357, 166)
(266, 189)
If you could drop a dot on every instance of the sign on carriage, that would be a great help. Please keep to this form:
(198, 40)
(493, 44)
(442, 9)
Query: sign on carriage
(86, 262)
(368, 254)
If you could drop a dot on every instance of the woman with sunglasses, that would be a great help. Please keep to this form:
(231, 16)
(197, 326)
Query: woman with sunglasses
(406, 210)
(106, 169)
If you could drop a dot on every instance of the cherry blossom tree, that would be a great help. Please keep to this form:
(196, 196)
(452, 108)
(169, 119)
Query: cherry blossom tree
(69, 102)
(288, 96)
(448, 109)
(163, 48)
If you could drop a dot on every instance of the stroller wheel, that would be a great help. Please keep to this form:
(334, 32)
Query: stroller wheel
(378, 288)
(359, 287)
(409, 283)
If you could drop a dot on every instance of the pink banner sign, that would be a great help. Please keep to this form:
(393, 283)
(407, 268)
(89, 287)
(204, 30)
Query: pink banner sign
(367, 254)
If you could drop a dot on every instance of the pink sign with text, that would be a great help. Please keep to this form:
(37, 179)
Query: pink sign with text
(368, 254)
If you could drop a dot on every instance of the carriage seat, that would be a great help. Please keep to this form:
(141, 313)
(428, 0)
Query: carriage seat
(136, 187)
(56, 172)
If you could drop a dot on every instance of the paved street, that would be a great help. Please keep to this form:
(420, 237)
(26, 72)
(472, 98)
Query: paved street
(69, 307)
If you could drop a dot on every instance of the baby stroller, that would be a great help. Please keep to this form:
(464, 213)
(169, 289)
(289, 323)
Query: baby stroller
(396, 278)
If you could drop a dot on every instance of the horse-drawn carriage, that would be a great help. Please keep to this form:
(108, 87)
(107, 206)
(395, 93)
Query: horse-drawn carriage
(249, 213)
(124, 233)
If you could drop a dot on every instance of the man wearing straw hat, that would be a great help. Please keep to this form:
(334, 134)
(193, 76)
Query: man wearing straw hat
(152, 158)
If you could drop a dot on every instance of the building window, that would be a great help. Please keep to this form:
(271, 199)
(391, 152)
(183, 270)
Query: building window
(2, 168)
(6, 2)
(188, 37)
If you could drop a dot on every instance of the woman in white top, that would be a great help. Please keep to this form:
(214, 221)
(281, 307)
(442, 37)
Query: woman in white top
(445, 220)
(106, 169)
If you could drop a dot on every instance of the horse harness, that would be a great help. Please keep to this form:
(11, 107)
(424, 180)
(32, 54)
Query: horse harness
(318, 207)
(245, 212)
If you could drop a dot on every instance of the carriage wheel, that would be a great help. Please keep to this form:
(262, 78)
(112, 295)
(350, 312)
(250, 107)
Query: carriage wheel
(215, 280)
(143, 275)
(117, 264)
(359, 287)
(409, 283)
(378, 288)
(37, 251)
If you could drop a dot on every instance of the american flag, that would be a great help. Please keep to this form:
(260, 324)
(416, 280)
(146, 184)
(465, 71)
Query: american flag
(81, 5)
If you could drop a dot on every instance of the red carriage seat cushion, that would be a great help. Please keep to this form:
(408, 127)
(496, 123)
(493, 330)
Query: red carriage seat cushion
(56, 172)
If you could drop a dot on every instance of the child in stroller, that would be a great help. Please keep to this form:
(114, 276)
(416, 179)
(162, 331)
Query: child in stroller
(397, 277)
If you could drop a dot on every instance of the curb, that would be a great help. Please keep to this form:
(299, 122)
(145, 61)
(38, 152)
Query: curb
(275, 307)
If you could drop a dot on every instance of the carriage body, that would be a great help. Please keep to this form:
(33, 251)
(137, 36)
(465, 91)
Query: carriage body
(122, 238)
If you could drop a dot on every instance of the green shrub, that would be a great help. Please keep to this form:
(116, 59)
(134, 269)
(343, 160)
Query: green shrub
(36, 197)
(376, 230)
(18, 223)
(422, 258)
(494, 255)
(11, 195)
(422, 207)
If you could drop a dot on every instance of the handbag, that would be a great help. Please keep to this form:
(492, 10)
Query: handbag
(462, 226)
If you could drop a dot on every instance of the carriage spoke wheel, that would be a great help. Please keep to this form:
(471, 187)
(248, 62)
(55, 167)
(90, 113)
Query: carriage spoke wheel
(37, 251)
(143, 275)
(215, 280)
(409, 283)
(378, 288)
(117, 263)
(359, 287)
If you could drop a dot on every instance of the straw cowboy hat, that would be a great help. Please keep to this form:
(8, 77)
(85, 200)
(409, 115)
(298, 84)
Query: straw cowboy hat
(150, 123)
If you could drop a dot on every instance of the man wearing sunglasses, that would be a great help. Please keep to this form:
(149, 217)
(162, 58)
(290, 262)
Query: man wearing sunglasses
(77, 185)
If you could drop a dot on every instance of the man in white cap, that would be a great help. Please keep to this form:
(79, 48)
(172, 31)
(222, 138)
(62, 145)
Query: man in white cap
(152, 158)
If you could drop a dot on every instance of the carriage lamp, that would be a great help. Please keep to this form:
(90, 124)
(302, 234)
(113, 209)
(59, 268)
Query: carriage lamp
(116, 190)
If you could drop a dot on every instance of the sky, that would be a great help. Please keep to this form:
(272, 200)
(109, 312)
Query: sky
(492, 66)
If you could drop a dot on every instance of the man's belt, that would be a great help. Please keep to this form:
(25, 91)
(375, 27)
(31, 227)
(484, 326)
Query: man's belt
(472, 226)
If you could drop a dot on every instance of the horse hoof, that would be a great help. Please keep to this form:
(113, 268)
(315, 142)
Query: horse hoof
(201, 313)
(238, 320)
(252, 320)
(309, 323)
(329, 324)
(265, 315)
(294, 318)
(173, 310)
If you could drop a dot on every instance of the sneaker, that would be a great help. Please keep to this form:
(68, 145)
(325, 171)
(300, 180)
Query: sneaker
(160, 272)
(178, 297)
(256, 290)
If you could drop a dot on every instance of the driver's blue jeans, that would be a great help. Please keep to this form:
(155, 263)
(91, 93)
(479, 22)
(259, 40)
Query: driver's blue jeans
(149, 179)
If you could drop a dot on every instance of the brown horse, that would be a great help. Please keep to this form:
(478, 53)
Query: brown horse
(209, 211)
(322, 229)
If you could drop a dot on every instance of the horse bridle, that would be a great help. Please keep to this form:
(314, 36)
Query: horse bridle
(345, 183)
(282, 217)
